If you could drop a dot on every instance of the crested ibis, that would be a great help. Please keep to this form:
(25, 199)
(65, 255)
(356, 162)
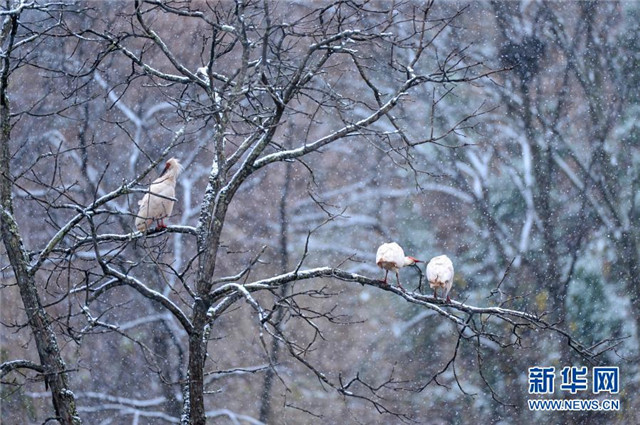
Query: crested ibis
(440, 275)
(390, 257)
(157, 204)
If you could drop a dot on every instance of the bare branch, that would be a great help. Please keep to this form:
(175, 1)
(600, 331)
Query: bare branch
(10, 366)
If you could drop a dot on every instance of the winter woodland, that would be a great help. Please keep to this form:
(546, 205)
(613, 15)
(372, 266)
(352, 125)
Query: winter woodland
(501, 134)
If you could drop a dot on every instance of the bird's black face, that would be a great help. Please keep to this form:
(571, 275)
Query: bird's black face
(166, 168)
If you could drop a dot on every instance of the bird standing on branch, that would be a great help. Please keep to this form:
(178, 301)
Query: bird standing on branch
(440, 275)
(158, 203)
(390, 257)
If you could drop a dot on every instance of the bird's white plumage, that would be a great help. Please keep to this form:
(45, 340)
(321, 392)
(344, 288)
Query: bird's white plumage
(159, 207)
(440, 273)
(390, 257)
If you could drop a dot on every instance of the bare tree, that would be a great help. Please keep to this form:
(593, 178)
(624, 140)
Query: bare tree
(547, 183)
(52, 365)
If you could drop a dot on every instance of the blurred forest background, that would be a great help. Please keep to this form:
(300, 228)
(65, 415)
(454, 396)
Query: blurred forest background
(517, 155)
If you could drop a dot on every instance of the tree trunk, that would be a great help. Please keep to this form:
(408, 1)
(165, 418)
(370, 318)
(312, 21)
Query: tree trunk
(162, 349)
(45, 338)
(197, 357)
(265, 397)
(47, 345)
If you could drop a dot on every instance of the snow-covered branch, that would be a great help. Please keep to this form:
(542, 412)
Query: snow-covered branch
(448, 310)
(10, 366)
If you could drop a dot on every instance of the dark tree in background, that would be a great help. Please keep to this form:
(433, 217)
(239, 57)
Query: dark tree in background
(311, 132)
(553, 188)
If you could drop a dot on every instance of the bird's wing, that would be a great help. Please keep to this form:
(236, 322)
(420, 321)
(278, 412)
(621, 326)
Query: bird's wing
(434, 273)
(382, 252)
(143, 203)
(431, 275)
(164, 187)
(390, 253)
(161, 206)
(144, 200)
(142, 217)
(449, 281)
(447, 269)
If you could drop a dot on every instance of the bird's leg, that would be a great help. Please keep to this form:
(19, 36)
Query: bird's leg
(398, 280)
(448, 299)
(435, 294)
(161, 224)
(386, 273)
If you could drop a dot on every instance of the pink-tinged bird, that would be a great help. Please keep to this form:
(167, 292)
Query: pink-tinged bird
(390, 257)
(440, 275)
(159, 207)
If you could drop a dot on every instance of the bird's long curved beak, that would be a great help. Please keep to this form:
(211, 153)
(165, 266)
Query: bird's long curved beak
(166, 168)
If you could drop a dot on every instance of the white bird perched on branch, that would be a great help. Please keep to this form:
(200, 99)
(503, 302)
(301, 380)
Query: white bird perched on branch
(158, 203)
(390, 257)
(440, 275)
